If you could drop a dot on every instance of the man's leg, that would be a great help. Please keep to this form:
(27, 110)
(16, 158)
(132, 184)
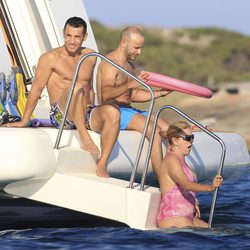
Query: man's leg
(77, 115)
(137, 123)
(106, 119)
(161, 123)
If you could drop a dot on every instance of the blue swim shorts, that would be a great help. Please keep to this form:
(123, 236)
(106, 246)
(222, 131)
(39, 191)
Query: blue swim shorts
(56, 116)
(127, 114)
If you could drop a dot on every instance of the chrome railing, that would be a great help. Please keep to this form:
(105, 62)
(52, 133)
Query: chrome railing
(220, 168)
(59, 135)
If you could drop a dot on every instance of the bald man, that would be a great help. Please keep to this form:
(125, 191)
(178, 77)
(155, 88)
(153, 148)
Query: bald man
(117, 89)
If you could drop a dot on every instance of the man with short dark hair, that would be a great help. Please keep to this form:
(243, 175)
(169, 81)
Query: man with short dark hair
(55, 70)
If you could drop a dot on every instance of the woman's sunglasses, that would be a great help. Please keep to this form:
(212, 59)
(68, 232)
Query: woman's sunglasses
(188, 138)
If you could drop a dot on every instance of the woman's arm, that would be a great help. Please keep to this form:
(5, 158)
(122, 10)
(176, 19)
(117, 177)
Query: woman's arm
(177, 174)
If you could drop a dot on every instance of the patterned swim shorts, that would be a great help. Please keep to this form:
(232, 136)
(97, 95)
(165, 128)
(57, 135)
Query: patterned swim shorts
(56, 116)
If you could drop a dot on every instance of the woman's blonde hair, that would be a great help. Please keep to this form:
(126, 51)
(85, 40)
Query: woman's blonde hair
(175, 130)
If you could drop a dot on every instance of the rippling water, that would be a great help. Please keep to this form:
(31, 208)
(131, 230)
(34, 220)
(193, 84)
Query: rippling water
(231, 229)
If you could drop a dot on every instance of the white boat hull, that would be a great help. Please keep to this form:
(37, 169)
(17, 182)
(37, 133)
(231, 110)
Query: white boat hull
(31, 168)
(28, 153)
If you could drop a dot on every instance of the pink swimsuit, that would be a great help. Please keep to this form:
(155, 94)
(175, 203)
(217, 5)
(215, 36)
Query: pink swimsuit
(178, 202)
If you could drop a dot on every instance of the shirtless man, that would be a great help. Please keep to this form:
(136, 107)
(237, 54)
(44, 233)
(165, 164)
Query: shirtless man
(55, 70)
(116, 88)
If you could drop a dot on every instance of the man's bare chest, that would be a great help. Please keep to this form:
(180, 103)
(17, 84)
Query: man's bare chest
(122, 78)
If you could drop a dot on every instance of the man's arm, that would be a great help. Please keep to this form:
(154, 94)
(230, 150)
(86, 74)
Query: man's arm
(86, 72)
(91, 83)
(91, 92)
(141, 95)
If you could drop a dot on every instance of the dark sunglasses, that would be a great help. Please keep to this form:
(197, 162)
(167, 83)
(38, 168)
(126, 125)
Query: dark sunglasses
(188, 138)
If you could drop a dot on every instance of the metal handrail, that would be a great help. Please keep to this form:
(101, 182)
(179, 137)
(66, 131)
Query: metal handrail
(59, 135)
(219, 172)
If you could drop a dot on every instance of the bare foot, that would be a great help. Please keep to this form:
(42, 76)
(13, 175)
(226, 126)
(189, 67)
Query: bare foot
(101, 171)
(90, 147)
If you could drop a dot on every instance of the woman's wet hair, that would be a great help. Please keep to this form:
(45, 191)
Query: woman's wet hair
(175, 130)
(76, 22)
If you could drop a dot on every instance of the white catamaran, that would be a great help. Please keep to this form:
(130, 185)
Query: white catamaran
(47, 165)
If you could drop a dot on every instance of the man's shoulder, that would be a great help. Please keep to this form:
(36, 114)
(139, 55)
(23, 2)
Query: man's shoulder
(113, 57)
(52, 54)
(112, 54)
(86, 50)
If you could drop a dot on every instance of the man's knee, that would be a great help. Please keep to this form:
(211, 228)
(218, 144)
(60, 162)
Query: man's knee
(112, 114)
(157, 130)
(162, 124)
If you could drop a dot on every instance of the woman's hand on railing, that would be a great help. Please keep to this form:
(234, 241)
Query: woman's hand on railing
(217, 182)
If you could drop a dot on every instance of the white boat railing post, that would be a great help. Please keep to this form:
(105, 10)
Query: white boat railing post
(219, 172)
(132, 178)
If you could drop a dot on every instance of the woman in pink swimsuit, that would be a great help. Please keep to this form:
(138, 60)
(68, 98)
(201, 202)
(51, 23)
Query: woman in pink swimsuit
(178, 182)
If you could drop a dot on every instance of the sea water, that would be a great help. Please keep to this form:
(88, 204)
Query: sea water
(231, 229)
